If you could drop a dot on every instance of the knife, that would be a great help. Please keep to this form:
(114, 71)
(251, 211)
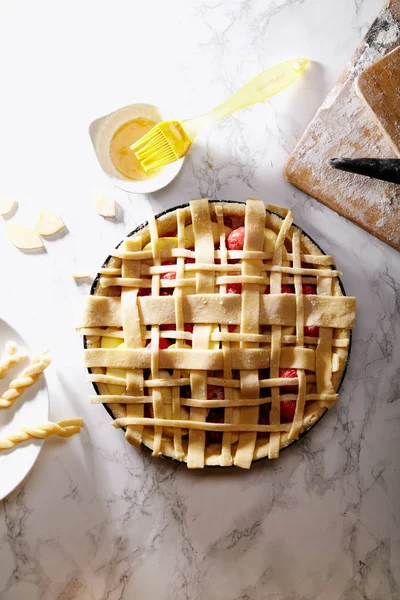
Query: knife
(386, 169)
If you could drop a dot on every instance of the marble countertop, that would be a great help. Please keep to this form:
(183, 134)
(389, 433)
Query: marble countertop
(97, 519)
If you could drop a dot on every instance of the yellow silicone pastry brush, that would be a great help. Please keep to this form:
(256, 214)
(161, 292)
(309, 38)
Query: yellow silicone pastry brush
(170, 140)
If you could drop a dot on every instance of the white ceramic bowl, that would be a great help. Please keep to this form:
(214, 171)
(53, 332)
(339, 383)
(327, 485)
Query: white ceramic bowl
(101, 132)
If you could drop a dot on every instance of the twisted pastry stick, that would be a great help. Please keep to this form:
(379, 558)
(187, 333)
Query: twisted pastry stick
(10, 359)
(27, 378)
(64, 428)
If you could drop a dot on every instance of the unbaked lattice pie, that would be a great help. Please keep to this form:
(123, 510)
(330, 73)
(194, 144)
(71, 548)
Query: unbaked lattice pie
(217, 334)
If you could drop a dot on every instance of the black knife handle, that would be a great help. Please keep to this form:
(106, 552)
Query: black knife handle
(386, 169)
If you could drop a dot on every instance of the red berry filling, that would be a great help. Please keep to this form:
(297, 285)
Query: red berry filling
(289, 374)
(263, 418)
(170, 327)
(228, 222)
(263, 414)
(215, 392)
(215, 415)
(309, 290)
(188, 327)
(185, 391)
(233, 288)
(288, 408)
(234, 222)
(163, 344)
(169, 275)
(285, 289)
(144, 292)
(311, 330)
(235, 240)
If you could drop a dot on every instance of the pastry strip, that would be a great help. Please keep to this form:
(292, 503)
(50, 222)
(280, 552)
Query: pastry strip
(203, 426)
(132, 337)
(323, 352)
(276, 339)
(201, 403)
(204, 253)
(176, 358)
(301, 400)
(275, 309)
(176, 391)
(298, 286)
(10, 359)
(234, 254)
(28, 377)
(228, 383)
(230, 394)
(250, 320)
(65, 428)
(158, 409)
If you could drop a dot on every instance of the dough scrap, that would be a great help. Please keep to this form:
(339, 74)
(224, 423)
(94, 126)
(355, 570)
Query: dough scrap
(6, 206)
(49, 223)
(81, 274)
(23, 237)
(105, 206)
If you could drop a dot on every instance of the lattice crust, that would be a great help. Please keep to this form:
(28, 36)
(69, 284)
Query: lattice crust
(216, 395)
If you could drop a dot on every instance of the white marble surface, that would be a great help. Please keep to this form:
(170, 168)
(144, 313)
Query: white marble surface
(97, 519)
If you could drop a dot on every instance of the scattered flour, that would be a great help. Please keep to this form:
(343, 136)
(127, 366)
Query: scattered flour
(383, 35)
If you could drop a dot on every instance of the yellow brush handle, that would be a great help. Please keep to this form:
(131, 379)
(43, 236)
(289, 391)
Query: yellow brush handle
(260, 88)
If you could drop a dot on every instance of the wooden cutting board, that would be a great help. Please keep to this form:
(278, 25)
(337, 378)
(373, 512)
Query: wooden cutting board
(379, 87)
(344, 126)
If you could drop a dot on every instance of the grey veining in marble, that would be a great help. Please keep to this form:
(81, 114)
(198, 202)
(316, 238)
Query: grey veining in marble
(97, 519)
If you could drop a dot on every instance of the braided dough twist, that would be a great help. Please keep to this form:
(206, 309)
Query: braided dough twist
(65, 428)
(27, 378)
(10, 359)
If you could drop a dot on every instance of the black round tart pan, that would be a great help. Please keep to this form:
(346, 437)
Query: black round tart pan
(142, 226)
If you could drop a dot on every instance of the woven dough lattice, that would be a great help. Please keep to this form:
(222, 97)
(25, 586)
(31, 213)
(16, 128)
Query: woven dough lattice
(217, 352)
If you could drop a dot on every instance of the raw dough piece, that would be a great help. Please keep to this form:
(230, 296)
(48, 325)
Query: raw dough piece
(81, 274)
(49, 223)
(6, 206)
(105, 206)
(23, 237)
(65, 428)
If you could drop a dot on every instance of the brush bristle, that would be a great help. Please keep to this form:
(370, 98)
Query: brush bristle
(154, 145)
(146, 138)
(154, 149)
(152, 163)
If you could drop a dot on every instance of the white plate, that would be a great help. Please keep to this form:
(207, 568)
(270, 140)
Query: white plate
(30, 409)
